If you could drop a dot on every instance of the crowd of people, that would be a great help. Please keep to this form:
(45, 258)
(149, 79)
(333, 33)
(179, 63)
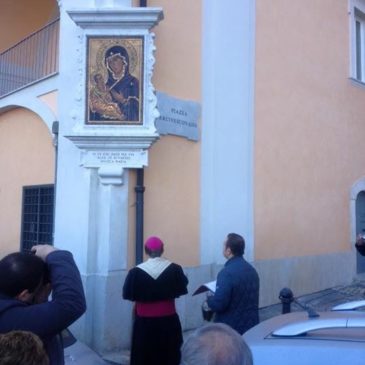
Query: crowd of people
(31, 323)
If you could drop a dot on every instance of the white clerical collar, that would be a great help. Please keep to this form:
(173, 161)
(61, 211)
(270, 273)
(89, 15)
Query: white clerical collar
(154, 266)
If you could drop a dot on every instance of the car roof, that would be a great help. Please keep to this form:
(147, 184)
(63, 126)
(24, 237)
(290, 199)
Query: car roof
(298, 323)
(327, 321)
(332, 338)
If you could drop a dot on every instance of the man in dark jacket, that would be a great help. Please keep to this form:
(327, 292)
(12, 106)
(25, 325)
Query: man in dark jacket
(24, 280)
(236, 299)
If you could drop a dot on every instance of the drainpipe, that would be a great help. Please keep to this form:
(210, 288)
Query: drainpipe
(55, 129)
(139, 189)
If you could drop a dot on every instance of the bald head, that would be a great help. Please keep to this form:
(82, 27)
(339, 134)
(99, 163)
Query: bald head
(215, 344)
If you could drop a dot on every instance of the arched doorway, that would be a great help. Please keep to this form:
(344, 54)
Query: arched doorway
(357, 209)
(360, 227)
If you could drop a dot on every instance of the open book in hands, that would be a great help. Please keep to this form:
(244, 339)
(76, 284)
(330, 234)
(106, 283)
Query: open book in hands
(211, 285)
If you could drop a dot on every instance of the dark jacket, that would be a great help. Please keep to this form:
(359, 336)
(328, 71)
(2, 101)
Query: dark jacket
(48, 319)
(237, 295)
(141, 287)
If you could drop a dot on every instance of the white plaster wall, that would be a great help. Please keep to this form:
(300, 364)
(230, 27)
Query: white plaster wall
(29, 98)
(227, 125)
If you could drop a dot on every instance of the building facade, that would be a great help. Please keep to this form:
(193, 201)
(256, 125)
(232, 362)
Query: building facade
(278, 158)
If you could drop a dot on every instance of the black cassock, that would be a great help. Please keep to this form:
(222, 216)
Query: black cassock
(156, 340)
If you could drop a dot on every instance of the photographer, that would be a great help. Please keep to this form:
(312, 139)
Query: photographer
(25, 282)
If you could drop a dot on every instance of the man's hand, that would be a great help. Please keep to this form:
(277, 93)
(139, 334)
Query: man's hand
(43, 251)
(209, 294)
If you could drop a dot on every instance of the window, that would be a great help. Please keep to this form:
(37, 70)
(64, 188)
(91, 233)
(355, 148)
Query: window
(357, 11)
(359, 45)
(37, 216)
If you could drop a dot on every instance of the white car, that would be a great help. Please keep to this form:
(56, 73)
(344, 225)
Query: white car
(331, 338)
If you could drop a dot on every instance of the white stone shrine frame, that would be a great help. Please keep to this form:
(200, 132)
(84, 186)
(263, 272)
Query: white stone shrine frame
(119, 28)
(94, 161)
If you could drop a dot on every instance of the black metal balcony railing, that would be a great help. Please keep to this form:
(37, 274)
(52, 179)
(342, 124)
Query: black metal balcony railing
(32, 59)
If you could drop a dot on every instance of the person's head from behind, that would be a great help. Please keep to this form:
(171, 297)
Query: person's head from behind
(215, 344)
(22, 348)
(234, 245)
(22, 276)
(153, 247)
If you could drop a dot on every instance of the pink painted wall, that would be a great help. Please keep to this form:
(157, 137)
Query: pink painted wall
(15, 15)
(26, 158)
(172, 177)
(309, 129)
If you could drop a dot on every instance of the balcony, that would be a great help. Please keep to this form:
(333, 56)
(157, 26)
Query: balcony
(31, 60)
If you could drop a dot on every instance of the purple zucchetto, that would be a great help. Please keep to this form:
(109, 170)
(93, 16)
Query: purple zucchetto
(153, 243)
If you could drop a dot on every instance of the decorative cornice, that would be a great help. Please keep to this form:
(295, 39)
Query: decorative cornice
(128, 18)
(87, 142)
(111, 175)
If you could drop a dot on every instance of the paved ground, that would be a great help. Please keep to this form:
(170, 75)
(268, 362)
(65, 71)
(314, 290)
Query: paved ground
(320, 301)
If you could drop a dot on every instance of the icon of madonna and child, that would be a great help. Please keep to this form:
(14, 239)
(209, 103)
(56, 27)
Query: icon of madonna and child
(114, 92)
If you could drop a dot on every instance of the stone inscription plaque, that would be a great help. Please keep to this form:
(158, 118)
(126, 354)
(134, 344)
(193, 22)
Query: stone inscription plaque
(177, 117)
(131, 159)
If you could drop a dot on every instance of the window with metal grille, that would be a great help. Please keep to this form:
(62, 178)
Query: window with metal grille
(37, 216)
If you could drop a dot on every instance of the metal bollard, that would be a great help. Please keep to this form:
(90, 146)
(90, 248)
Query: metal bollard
(286, 297)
